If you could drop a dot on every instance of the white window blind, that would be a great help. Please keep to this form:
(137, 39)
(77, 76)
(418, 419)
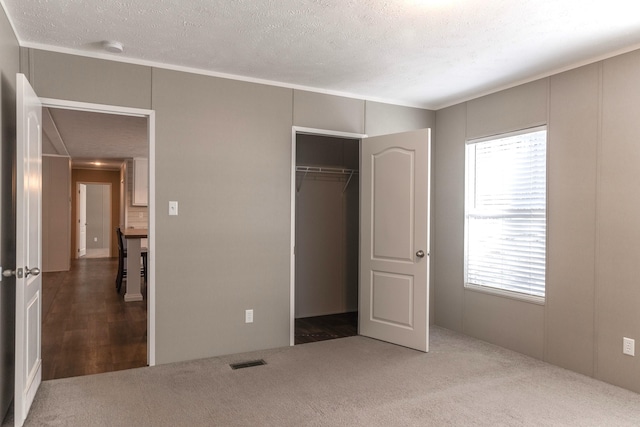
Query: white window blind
(506, 218)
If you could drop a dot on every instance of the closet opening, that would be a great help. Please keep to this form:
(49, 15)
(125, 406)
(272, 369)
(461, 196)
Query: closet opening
(327, 224)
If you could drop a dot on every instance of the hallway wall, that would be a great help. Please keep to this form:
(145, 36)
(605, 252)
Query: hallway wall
(99, 221)
(56, 213)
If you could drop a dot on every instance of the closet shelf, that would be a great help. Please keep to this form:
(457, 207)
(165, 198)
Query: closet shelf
(318, 169)
(326, 170)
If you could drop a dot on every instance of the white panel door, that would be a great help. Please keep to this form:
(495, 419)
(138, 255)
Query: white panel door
(394, 238)
(28, 365)
(82, 220)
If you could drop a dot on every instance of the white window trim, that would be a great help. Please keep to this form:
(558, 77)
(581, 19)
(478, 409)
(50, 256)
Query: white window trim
(504, 293)
(534, 299)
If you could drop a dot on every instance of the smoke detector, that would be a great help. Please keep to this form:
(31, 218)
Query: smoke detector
(112, 46)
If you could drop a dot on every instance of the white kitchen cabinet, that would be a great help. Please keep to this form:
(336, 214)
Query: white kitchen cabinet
(140, 182)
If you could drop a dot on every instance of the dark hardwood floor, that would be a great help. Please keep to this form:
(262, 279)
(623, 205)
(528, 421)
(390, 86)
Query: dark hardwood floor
(87, 328)
(320, 328)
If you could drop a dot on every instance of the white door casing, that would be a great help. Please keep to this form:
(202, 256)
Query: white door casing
(28, 356)
(394, 239)
(295, 130)
(82, 220)
(151, 126)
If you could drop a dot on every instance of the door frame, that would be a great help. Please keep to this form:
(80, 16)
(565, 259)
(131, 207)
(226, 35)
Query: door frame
(78, 183)
(295, 130)
(151, 134)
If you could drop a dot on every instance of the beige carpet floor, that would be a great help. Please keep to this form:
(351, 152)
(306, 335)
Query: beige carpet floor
(352, 381)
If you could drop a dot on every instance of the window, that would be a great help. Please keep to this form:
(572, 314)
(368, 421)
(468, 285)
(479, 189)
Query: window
(505, 214)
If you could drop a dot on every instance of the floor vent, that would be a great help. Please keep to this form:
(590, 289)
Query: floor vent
(248, 364)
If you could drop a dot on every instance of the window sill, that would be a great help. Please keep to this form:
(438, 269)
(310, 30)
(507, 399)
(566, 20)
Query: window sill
(505, 294)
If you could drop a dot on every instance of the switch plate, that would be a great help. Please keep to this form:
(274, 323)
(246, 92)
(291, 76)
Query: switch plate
(173, 208)
(248, 316)
(629, 346)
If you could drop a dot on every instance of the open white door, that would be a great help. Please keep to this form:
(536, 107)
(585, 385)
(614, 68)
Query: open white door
(394, 238)
(82, 220)
(28, 367)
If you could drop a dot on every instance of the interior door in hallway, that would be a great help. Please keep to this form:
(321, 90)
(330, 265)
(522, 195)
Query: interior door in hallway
(394, 240)
(28, 362)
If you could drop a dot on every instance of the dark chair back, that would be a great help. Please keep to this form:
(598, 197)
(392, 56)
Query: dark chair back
(120, 241)
(122, 254)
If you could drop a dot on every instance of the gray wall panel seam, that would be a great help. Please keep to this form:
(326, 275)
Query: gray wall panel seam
(596, 270)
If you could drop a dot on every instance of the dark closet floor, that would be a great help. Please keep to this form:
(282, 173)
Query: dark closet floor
(87, 328)
(320, 328)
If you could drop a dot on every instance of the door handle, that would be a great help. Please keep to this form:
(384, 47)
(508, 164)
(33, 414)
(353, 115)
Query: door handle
(34, 271)
(420, 254)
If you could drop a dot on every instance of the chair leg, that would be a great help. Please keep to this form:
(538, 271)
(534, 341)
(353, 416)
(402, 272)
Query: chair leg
(119, 279)
(144, 266)
(121, 274)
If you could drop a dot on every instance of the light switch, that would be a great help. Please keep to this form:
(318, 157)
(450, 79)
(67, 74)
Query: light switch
(173, 208)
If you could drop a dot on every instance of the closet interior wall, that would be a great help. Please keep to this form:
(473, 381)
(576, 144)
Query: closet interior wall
(327, 227)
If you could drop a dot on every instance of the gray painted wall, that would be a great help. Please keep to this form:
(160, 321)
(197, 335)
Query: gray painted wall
(384, 119)
(320, 111)
(593, 214)
(572, 161)
(9, 66)
(223, 150)
(98, 216)
(617, 292)
(56, 213)
(111, 83)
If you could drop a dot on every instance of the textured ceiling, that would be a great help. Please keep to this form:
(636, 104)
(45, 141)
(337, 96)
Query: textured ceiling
(89, 137)
(427, 53)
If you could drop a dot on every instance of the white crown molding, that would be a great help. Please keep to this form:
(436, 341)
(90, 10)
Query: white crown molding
(147, 63)
(433, 107)
(553, 72)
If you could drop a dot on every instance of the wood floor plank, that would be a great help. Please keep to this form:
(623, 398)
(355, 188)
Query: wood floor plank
(87, 328)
